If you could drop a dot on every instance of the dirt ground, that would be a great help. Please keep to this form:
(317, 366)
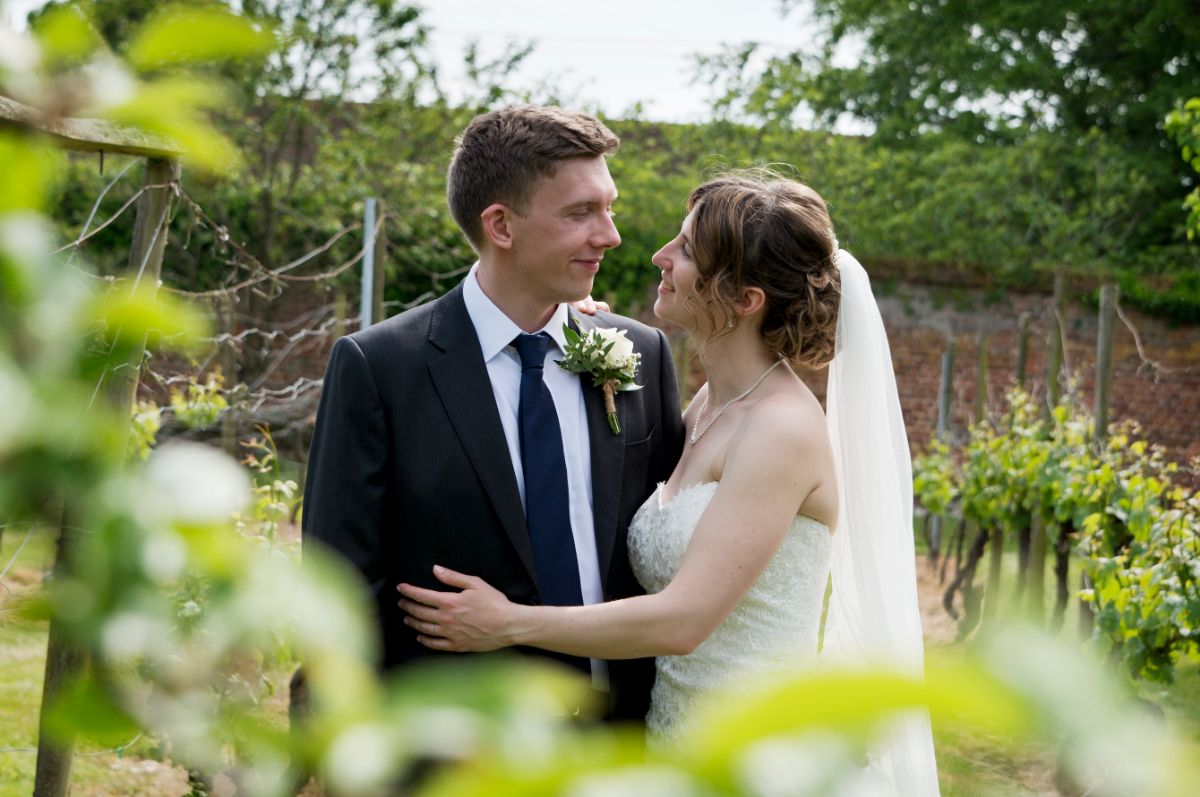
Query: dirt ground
(940, 628)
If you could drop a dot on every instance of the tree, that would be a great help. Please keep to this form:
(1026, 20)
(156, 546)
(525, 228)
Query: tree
(1090, 80)
(349, 107)
(989, 71)
(1183, 125)
(335, 57)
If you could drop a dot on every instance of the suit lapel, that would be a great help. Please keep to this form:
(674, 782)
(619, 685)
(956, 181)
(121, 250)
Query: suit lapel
(608, 456)
(461, 380)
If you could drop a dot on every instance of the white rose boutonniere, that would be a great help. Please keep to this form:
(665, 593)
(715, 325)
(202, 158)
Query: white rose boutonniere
(609, 357)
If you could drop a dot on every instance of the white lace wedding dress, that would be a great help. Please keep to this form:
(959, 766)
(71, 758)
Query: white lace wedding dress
(873, 618)
(772, 629)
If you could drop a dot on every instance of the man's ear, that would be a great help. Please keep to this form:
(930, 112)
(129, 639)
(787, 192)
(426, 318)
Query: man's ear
(497, 228)
(750, 302)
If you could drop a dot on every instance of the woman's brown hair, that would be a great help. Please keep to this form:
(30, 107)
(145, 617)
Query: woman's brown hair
(760, 230)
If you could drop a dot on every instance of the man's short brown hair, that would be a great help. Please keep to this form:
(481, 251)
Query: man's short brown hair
(503, 153)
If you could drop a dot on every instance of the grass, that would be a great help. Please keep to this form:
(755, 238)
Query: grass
(95, 771)
(975, 765)
(971, 764)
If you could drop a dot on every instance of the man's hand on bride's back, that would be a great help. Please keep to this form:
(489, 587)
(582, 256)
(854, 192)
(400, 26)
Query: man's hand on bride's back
(476, 619)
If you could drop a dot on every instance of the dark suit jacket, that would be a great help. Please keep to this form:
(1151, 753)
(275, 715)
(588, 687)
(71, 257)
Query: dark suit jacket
(409, 468)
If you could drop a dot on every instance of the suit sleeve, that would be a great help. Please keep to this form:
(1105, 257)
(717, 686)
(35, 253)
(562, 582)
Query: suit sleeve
(347, 464)
(672, 412)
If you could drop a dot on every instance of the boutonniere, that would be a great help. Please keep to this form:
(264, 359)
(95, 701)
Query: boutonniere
(609, 357)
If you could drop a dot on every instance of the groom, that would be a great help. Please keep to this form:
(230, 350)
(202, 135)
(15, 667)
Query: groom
(448, 435)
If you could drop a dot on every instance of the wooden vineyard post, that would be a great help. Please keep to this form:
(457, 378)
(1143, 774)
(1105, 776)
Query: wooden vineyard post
(981, 374)
(1104, 354)
(64, 661)
(945, 392)
(339, 312)
(1023, 533)
(1022, 349)
(1109, 296)
(991, 599)
(228, 360)
(1036, 572)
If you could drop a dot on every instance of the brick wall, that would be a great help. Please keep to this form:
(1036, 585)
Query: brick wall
(920, 320)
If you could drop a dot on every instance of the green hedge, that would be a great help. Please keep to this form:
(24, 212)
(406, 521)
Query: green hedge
(944, 212)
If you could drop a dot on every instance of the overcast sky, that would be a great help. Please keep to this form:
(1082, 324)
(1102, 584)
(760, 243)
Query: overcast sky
(617, 52)
(612, 54)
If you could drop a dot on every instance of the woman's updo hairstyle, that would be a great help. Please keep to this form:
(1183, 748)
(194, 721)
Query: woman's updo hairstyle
(760, 230)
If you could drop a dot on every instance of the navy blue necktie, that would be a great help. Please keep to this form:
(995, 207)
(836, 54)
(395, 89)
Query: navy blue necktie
(547, 503)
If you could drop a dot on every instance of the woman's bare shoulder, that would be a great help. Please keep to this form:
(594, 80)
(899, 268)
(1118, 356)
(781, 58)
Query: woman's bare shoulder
(792, 412)
(780, 427)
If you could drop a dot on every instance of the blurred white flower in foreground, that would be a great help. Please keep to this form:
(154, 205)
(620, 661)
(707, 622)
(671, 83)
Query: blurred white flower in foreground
(361, 758)
(195, 485)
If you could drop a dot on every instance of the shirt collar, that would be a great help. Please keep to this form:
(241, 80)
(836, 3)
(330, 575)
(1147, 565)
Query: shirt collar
(496, 330)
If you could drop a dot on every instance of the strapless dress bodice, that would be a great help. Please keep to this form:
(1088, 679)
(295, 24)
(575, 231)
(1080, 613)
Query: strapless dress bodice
(772, 629)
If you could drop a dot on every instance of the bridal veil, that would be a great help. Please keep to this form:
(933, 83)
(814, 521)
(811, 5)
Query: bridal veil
(873, 617)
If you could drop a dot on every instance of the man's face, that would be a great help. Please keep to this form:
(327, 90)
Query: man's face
(566, 229)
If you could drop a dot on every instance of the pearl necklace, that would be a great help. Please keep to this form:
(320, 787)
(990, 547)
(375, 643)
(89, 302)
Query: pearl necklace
(697, 432)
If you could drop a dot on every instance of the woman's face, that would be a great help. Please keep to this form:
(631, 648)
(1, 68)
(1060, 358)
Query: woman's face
(679, 277)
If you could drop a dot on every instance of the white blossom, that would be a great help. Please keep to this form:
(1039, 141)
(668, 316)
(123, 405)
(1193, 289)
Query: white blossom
(110, 83)
(130, 634)
(196, 485)
(17, 53)
(360, 759)
(660, 780)
(163, 557)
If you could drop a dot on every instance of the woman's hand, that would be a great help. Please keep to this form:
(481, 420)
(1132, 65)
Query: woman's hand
(589, 306)
(475, 620)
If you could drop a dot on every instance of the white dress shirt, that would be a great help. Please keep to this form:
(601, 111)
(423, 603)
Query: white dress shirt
(496, 333)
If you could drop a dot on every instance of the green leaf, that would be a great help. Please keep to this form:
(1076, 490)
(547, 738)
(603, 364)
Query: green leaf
(86, 708)
(27, 169)
(180, 35)
(854, 702)
(142, 316)
(171, 108)
(65, 34)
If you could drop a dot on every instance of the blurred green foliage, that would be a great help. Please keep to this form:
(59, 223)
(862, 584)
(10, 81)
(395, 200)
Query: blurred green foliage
(177, 612)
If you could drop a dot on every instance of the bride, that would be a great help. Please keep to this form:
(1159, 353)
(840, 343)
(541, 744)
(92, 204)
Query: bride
(736, 548)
